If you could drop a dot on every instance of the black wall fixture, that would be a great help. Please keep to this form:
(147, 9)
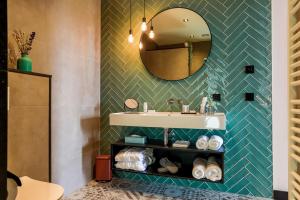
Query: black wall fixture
(216, 97)
(3, 98)
(249, 69)
(249, 96)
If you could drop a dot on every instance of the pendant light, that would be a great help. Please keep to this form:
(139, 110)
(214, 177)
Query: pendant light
(144, 21)
(141, 45)
(151, 34)
(130, 37)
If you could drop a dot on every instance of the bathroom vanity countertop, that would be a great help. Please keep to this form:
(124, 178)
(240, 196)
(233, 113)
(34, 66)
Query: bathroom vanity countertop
(215, 121)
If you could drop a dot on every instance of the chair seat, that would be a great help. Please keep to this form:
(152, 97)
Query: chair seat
(37, 190)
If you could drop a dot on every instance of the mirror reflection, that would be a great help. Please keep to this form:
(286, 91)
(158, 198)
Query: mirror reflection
(176, 44)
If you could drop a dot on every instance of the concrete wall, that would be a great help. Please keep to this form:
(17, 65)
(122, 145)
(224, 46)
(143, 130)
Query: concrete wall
(68, 47)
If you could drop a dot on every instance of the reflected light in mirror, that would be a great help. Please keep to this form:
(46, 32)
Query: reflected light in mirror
(140, 45)
(177, 48)
(151, 34)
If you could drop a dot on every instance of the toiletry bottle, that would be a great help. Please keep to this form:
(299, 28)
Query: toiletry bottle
(145, 107)
(203, 105)
(185, 109)
(210, 107)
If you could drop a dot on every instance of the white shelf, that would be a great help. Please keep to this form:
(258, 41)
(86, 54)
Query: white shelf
(217, 121)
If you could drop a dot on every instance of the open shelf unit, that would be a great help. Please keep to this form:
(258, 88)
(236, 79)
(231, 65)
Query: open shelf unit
(185, 156)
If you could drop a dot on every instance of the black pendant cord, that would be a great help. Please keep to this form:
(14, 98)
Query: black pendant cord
(144, 8)
(130, 14)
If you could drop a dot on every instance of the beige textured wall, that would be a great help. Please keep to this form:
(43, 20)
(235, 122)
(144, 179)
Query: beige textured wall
(68, 47)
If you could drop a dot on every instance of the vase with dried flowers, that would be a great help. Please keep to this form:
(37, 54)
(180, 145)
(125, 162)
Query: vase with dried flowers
(24, 42)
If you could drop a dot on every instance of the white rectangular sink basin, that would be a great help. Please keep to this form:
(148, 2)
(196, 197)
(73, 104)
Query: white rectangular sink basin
(169, 120)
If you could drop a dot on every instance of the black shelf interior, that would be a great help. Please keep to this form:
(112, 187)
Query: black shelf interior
(185, 156)
(158, 144)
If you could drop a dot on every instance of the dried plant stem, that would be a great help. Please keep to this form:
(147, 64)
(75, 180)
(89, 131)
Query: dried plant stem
(24, 41)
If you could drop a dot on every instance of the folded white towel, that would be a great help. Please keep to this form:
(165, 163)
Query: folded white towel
(133, 154)
(137, 166)
(215, 142)
(213, 170)
(199, 168)
(134, 158)
(202, 142)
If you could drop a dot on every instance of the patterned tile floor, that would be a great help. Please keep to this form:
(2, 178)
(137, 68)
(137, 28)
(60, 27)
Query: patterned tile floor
(120, 189)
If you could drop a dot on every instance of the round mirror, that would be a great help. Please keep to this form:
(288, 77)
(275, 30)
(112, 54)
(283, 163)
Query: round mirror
(176, 44)
(131, 104)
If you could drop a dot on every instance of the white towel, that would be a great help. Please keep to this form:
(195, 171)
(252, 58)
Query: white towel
(133, 154)
(166, 163)
(215, 142)
(134, 158)
(137, 166)
(213, 170)
(202, 142)
(199, 167)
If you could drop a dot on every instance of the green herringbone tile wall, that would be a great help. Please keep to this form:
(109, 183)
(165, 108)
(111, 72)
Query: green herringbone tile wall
(241, 33)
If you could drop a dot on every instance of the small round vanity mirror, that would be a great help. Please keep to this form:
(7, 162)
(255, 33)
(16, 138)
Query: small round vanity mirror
(176, 44)
(131, 104)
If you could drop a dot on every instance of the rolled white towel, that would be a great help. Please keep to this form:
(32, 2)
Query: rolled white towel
(202, 142)
(199, 167)
(213, 170)
(215, 142)
(162, 170)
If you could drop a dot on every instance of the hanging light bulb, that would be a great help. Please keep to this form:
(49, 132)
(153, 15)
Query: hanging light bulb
(151, 34)
(144, 22)
(130, 37)
(144, 25)
(141, 45)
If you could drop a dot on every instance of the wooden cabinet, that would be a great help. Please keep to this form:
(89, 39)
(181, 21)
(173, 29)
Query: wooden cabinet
(29, 125)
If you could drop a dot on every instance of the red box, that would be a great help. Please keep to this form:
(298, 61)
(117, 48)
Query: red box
(103, 168)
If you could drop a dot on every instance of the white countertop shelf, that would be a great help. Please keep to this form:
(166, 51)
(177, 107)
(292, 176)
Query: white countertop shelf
(216, 121)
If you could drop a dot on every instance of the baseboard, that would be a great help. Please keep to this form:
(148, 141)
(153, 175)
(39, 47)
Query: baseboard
(280, 195)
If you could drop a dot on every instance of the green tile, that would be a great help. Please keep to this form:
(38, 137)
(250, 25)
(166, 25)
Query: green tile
(241, 35)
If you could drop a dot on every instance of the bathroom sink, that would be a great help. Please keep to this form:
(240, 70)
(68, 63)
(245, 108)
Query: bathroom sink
(169, 120)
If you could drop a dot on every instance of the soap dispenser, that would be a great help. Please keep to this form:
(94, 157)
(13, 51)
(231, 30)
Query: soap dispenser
(145, 107)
